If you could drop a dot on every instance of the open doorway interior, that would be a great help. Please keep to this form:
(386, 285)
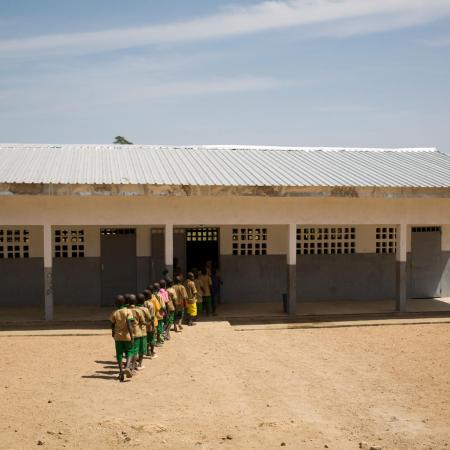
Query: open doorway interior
(202, 247)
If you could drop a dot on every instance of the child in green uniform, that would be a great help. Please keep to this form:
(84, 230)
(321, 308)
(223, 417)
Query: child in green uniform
(151, 329)
(180, 302)
(160, 314)
(138, 324)
(140, 299)
(122, 332)
(170, 305)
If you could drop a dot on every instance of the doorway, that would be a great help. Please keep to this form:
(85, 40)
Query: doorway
(118, 256)
(202, 246)
(426, 270)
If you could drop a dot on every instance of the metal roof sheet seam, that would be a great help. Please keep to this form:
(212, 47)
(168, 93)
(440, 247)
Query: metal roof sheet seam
(224, 165)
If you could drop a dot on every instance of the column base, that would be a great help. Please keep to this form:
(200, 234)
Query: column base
(292, 289)
(400, 298)
(48, 293)
(170, 270)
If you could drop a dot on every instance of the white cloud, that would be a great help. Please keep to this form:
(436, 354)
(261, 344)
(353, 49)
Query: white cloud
(236, 21)
(72, 94)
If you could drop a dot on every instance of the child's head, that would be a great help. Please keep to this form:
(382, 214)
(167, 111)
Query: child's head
(156, 287)
(120, 300)
(131, 299)
(140, 299)
(147, 293)
(178, 279)
(190, 276)
(162, 284)
(204, 272)
(169, 283)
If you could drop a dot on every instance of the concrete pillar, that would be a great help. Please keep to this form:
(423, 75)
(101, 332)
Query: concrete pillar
(292, 269)
(168, 248)
(401, 275)
(48, 272)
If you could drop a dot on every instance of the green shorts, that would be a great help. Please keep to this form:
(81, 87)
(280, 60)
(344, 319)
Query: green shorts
(160, 326)
(136, 346)
(171, 318)
(151, 338)
(142, 345)
(123, 347)
(179, 314)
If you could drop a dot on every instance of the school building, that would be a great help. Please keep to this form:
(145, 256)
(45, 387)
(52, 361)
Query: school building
(81, 223)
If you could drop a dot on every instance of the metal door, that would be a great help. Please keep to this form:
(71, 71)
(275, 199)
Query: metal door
(426, 267)
(118, 254)
(157, 245)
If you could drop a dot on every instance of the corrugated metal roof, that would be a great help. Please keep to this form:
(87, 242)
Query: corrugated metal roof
(219, 165)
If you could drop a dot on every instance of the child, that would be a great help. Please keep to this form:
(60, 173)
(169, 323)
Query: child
(206, 287)
(180, 302)
(170, 307)
(143, 345)
(151, 326)
(139, 320)
(191, 306)
(121, 327)
(161, 309)
(198, 286)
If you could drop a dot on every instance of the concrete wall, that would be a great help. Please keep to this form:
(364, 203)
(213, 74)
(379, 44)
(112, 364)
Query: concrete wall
(22, 282)
(139, 210)
(276, 234)
(253, 278)
(22, 279)
(77, 281)
(345, 277)
(445, 280)
(319, 276)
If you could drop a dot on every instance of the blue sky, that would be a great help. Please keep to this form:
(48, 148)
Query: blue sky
(299, 72)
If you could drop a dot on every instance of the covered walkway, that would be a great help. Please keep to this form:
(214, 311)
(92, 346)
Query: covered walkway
(339, 310)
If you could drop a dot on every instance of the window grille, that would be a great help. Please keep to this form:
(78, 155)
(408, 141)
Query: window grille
(202, 234)
(69, 243)
(386, 240)
(249, 241)
(14, 243)
(425, 229)
(326, 240)
(117, 231)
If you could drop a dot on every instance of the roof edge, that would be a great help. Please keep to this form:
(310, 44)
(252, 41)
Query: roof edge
(17, 145)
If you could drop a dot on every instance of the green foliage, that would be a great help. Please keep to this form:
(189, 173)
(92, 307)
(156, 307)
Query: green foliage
(121, 140)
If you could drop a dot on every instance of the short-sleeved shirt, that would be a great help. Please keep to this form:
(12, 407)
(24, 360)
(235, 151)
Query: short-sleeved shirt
(138, 322)
(151, 309)
(119, 318)
(172, 298)
(206, 283)
(181, 296)
(191, 291)
(198, 286)
(157, 306)
(148, 319)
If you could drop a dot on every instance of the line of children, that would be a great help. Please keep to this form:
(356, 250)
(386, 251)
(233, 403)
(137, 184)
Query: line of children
(142, 322)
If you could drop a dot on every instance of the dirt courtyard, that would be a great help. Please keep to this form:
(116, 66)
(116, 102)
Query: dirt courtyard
(220, 387)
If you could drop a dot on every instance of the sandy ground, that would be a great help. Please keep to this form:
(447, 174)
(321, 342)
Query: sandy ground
(215, 387)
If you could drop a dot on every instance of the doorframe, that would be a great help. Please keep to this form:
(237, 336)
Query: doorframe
(414, 229)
